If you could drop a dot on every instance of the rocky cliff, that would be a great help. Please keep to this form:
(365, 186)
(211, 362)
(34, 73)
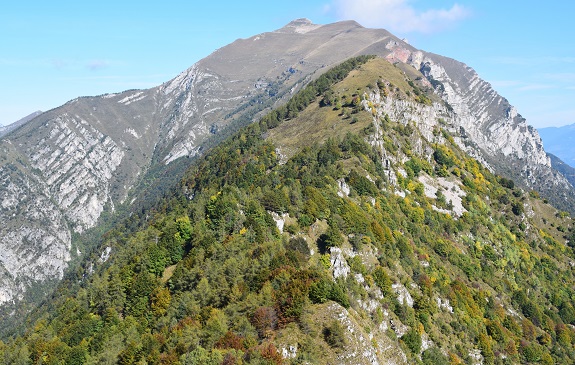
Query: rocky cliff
(66, 167)
(487, 126)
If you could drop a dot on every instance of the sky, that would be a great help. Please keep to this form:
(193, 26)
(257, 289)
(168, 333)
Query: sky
(54, 51)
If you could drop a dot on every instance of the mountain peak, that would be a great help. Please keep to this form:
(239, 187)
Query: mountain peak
(301, 25)
(300, 21)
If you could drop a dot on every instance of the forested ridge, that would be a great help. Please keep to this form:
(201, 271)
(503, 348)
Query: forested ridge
(238, 264)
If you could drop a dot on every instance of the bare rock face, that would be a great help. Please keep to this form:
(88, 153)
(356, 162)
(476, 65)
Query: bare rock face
(487, 126)
(60, 171)
(35, 236)
(77, 163)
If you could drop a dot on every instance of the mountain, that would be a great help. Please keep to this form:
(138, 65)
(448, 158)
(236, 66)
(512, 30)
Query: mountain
(347, 226)
(6, 129)
(559, 141)
(565, 169)
(95, 159)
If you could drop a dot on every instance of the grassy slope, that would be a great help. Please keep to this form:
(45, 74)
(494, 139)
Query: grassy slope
(315, 124)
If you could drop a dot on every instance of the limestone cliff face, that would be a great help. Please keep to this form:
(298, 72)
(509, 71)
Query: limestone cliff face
(62, 170)
(35, 236)
(77, 163)
(486, 125)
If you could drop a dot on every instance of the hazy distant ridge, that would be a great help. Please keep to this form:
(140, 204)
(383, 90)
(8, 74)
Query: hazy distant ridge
(560, 142)
(10, 127)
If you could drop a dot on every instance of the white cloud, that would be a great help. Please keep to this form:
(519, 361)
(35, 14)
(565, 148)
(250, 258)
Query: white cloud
(398, 15)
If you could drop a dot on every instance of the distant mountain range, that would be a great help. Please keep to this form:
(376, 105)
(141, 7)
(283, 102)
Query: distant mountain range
(10, 127)
(560, 141)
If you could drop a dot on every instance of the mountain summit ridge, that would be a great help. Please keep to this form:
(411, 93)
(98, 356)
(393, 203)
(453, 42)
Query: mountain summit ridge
(88, 156)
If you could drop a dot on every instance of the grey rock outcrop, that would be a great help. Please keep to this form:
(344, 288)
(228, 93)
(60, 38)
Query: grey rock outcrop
(487, 126)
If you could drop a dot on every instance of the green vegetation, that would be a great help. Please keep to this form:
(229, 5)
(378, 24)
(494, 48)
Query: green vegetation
(209, 278)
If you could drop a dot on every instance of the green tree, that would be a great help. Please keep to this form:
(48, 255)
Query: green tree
(433, 356)
(412, 340)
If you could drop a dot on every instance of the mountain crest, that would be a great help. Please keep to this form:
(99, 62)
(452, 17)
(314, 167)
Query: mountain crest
(302, 26)
(97, 155)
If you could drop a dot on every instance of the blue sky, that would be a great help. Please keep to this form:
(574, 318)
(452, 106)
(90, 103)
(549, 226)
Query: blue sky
(54, 51)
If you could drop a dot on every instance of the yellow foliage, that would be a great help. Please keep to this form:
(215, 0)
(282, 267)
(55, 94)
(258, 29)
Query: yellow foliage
(480, 182)
(369, 280)
(161, 299)
(478, 246)
(325, 260)
(454, 359)
(397, 234)
(525, 254)
(367, 207)
(417, 214)
(502, 262)
(420, 329)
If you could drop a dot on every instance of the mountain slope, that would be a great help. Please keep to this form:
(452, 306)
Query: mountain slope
(379, 242)
(99, 155)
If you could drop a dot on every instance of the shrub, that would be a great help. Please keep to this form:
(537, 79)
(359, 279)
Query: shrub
(433, 356)
(334, 335)
(443, 157)
(265, 320)
(412, 340)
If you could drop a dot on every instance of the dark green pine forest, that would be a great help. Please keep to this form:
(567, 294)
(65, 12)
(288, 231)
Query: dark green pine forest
(280, 249)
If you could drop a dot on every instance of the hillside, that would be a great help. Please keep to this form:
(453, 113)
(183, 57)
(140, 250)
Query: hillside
(374, 240)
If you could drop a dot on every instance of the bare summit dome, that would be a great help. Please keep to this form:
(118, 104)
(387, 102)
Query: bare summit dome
(302, 25)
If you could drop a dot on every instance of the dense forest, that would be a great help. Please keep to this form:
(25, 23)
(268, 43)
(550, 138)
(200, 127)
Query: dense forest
(251, 257)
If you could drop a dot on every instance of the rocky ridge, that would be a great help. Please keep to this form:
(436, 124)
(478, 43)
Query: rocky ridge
(328, 260)
(486, 125)
(7, 128)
